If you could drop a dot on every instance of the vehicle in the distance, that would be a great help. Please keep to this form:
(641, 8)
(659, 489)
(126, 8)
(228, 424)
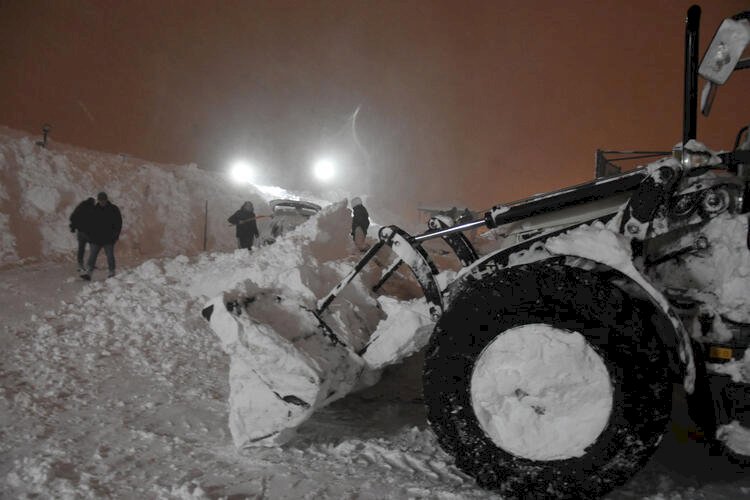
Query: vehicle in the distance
(286, 215)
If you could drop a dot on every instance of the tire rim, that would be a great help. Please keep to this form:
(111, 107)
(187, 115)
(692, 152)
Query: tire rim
(541, 393)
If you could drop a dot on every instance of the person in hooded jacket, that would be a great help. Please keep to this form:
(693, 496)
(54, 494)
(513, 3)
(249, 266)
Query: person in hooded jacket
(246, 229)
(80, 223)
(106, 224)
(360, 223)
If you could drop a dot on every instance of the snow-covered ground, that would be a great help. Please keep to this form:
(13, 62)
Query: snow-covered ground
(118, 388)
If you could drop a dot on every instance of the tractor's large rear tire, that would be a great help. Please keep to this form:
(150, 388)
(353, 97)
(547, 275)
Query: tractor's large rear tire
(545, 381)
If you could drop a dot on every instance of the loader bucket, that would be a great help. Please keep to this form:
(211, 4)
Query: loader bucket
(303, 328)
(277, 380)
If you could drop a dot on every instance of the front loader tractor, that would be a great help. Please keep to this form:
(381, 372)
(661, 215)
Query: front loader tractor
(550, 369)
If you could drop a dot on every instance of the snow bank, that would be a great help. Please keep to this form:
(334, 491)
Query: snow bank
(163, 206)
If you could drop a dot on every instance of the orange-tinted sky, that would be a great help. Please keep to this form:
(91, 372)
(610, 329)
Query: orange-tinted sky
(477, 102)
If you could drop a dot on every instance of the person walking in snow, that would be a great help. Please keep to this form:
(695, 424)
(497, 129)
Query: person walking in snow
(106, 224)
(80, 223)
(360, 223)
(246, 227)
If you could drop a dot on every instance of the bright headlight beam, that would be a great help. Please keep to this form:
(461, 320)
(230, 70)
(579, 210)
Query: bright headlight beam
(324, 169)
(242, 172)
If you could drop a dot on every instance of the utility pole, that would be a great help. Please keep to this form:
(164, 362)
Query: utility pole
(205, 227)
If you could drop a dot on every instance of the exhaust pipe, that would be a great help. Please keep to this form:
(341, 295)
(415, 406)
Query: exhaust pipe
(692, 28)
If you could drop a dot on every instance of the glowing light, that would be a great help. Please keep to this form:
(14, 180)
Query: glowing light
(242, 172)
(324, 169)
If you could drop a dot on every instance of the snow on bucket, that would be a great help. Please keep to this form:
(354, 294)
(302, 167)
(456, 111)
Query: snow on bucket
(278, 378)
(285, 361)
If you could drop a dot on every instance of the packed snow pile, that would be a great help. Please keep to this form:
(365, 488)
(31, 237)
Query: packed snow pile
(727, 272)
(285, 361)
(165, 208)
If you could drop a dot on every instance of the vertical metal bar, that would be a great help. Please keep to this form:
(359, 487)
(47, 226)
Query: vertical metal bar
(692, 27)
(388, 273)
(324, 302)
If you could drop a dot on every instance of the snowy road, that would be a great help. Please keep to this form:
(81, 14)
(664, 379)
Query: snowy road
(120, 391)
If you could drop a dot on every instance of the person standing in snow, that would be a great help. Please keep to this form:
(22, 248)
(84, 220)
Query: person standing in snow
(106, 224)
(246, 227)
(360, 223)
(80, 223)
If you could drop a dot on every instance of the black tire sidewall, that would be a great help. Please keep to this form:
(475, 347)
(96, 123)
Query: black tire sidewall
(565, 298)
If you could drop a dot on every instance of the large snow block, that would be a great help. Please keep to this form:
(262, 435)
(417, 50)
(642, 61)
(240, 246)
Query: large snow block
(405, 331)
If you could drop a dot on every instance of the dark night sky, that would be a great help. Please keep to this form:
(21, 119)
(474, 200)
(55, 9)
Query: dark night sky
(477, 102)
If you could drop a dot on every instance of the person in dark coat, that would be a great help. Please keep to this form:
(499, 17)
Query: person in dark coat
(106, 224)
(360, 223)
(80, 223)
(246, 227)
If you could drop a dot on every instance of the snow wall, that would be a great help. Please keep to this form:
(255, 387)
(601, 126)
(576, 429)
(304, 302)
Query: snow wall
(163, 206)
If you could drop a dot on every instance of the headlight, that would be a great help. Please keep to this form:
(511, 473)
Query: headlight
(324, 169)
(242, 172)
(692, 159)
